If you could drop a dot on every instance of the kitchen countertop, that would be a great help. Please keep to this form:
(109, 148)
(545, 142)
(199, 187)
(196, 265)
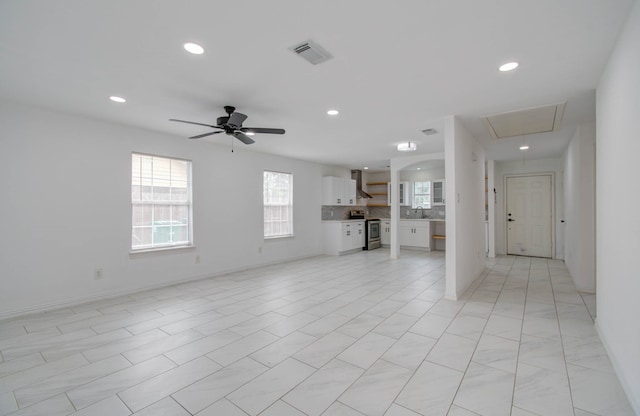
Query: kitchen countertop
(342, 220)
(415, 219)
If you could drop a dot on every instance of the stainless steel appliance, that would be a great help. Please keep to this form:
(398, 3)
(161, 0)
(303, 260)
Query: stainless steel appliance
(372, 234)
(371, 229)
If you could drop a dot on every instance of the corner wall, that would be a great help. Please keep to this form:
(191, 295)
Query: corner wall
(464, 191)
(66, 210)
(618, 201)
(579, 208)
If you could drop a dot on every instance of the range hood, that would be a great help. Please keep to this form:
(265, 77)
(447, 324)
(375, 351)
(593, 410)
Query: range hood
(357, 175)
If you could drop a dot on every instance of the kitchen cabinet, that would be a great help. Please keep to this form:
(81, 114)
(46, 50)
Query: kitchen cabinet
(414, 233)
(342, 237)
(405, 191)
(385, 233)
(437, 192)
(338, 191)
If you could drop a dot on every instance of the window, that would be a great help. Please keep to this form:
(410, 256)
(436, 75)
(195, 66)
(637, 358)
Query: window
(278, 204)
(422, 194)
(160, 202)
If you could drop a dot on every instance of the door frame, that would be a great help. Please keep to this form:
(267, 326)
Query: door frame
(553, 207)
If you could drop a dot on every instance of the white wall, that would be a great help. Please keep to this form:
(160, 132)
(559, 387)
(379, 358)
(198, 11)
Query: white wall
(618, 202)
(422, 175)
(464, 167)
(530, 166)
(579, 207)
(66, 209)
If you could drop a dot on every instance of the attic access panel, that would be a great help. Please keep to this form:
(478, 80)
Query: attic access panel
(529, 121)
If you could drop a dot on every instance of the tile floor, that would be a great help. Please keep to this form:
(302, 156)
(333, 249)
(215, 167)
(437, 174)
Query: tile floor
(354, 335)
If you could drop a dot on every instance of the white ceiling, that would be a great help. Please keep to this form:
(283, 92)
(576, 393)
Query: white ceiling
(398, 67)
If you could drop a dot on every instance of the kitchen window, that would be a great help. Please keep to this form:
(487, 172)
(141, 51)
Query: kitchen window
(278, 204)
(422, 194)
(160, 202)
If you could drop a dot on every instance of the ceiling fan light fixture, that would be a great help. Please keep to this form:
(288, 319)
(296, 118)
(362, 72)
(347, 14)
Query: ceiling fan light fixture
(509, 66)
(194, 48)
(249, 133)
(117, 99)
(407, 147)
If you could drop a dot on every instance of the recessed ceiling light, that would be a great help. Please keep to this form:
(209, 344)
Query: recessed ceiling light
(194, 48)
(509, 66)
(418, 168)
(366, 167)
(333, 112)
(524, 147)
(117, 99)
(407, 147)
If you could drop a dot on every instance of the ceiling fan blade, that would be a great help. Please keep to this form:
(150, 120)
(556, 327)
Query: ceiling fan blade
(262, 130)
(193, 122)
(199, 136)
(243, 137)
(236, 119)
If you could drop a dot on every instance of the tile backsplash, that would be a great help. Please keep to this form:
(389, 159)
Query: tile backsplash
(339, 213)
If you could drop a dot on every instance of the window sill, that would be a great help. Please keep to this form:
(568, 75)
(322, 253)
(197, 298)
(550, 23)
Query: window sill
(278, 237)
(159, 250)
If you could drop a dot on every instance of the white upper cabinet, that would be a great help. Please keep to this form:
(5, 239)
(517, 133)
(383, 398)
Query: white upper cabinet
(437, 192)
(338, 191)
(405, 193)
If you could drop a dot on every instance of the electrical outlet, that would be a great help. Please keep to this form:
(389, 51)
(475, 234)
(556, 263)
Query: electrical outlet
(198, 259)
(97, 274)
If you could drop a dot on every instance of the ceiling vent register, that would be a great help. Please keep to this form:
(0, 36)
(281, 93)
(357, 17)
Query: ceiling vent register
(311, 52)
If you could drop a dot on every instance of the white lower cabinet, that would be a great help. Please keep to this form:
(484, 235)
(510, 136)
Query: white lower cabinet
(385, 233)
(341, 237)
(414, 233)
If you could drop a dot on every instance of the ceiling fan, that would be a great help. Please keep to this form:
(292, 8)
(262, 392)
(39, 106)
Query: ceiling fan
(232, 125)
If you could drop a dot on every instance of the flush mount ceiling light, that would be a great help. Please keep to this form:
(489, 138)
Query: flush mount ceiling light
(333, 112)
(407, 147)
(509, 66)
(366, 168)
(194, 48)
(524, 147)
(117, 99)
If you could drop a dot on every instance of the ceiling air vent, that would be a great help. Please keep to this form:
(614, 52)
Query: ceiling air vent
(532, 120)
(311, 52)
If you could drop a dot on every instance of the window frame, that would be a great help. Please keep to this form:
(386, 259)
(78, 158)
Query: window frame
(169, 204)
(266, 204)
(428, 195)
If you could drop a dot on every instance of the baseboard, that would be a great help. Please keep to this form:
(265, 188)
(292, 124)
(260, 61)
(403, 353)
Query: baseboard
(68, 303)
(634, 401)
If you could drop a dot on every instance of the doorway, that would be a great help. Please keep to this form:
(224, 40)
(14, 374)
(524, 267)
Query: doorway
(530, 215)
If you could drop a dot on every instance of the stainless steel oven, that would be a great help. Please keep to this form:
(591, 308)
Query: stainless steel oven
(372, 234)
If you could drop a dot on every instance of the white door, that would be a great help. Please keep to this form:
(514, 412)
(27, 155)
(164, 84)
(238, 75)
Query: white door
(529, 216)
